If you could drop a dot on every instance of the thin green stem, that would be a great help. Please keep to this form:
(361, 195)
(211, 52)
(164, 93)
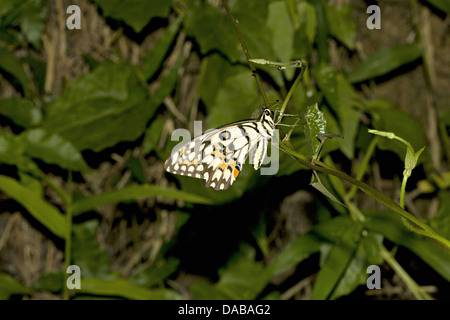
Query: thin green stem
(68, 239)
(291, 90)
(363, 166)
(402, 191)
(418, 292)
(373, 193)
(247, 54)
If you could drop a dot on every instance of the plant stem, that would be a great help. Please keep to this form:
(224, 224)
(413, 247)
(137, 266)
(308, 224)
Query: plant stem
(363, 166)
(247, 54)
(402, 191)
(68, 239)
(418, 292)
(370, 191)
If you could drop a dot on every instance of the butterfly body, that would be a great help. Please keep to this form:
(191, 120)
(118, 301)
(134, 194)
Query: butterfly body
(217, 155)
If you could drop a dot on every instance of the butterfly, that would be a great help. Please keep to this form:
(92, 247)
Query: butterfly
(217, 155)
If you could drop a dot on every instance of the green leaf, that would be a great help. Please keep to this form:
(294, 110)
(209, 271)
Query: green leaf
(342, 98)
(22, 112)
(152, 135)
(308, 20)
(12, 149)
(87, 254)
(215, 70)
(368, 253)
(305, 34)
(12, 65)
(133, 193)
(156, 273)
(153, 59)
(315, 124)
(393, 120)
(136, 13)
(32, 21)
(204, 290)
(252, 18)
(294, 253)
(243, 278)
(385, 61)
(321, 188)
(41, 210)
(31, 183)
(390, 225)
(199, 17)
(53, 149)
(341, 24)
(105, 106)
(443, 5)
(124, 288)
(281, 30)
(237, 90)
(441, 221)
(9, 286)
(344, 234)
(53, 282)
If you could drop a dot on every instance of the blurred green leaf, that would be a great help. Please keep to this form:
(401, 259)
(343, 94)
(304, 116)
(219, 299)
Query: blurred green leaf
(53, 149)
(22, 112)
(368, 253)
(322, 189)
(105, 106)
(235, 101)
(134, 165)
(132, 193)
(214, 72)
(341, 24)
(443, 5)
(393, 120)
(12, 65)
(41, 210)
(31, 183)
(343, 234)
(199, 17)
(281, 30)
(294, 253)
(9, 286)
(308, 20)
(32, 20)
(156, 273)
(123, 288)
(136, 13)
(52, 281)
(241, 279)
(153, 59)
(342, 98)
(204, 290)
(12, 149)
(390, 226)
(252, 18)
(87, 254)
(441, 221)
(153, 134)
(385, 61)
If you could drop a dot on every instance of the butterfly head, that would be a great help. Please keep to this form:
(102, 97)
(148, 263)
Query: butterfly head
(267, 117)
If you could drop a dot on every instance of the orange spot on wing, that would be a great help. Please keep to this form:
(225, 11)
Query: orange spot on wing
(235, 172)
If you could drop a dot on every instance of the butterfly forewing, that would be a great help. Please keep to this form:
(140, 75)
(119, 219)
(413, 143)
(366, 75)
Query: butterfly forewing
(217, 156)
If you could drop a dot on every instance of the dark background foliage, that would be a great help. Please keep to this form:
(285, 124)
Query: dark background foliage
(86, 117)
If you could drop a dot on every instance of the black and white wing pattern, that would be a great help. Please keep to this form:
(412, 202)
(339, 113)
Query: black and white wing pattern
(217, 155)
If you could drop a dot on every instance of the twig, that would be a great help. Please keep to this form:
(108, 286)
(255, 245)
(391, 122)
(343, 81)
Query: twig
(247, 54)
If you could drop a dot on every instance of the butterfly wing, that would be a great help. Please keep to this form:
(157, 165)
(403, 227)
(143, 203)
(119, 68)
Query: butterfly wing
(218, 155)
